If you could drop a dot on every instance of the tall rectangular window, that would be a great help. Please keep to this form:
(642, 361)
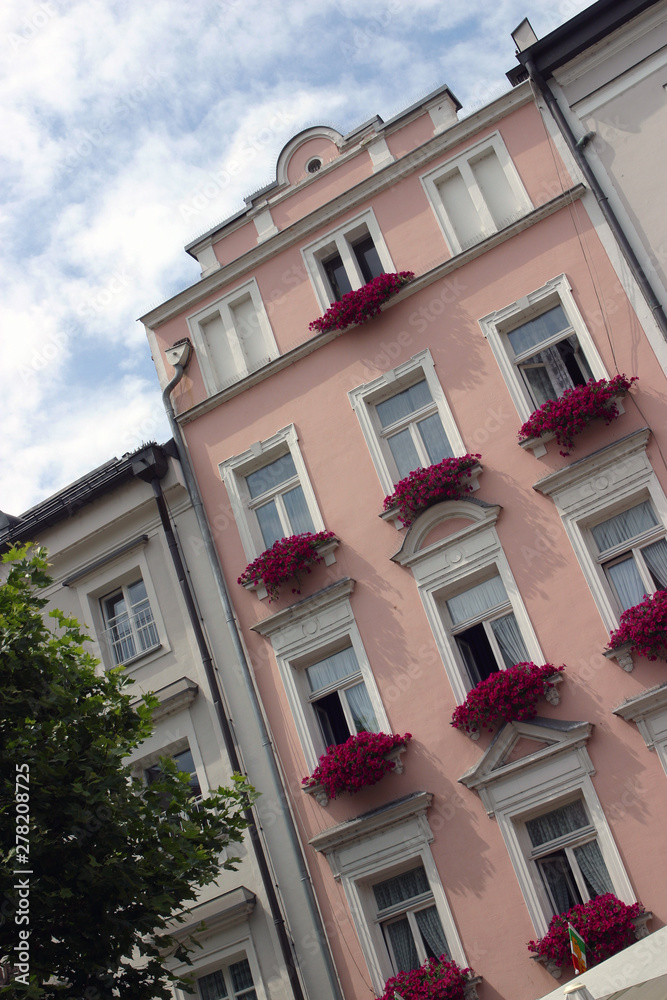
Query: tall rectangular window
(548, 355)
(130, 626)
(339, 697)
(408, 917)
(633, 553)
(412, 428)
(278, 500)
(234, 981)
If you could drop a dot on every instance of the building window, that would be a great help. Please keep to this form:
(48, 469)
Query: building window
(270, 492)
(130, 626)
(347, 258)
(408, 918)
(185, 763)
(476, 194)
(542, 346)
(406, 421)
(632, 551)
(233, 981)
(323, 664)
(485, 630)
(339, 697)
(233, 337)
(278, 500)
(567, 856)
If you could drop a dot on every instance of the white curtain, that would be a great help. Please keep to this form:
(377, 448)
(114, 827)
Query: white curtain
(403, 403)
(270, 523)
(510, 640)
(435, 440)
(557, 823)
(537, 330)
(477, 600)
(401, 887)
(622, 527)
(627, 582)
(333, 668)
(297, 511)
(271, 475)
(656, 560)
(593, 868)
(403, 945)
(560, 881)
(431, 930)
(362, 711)
(212, 987)
(405, 454)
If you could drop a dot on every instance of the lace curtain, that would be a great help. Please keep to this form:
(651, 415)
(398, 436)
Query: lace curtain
(510, 640)
(477, 600)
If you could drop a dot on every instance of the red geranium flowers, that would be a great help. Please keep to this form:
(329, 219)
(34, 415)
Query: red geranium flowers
(362, 304)
(284, 561)
(358, 762)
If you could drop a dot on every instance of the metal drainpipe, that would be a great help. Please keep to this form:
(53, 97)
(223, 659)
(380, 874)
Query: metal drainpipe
(608, 212)
(285, 947)
(230, 619)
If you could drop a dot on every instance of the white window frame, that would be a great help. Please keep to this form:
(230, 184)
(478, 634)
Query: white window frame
(364, 398)
(239, 947)
(595, 488)
(632, 547)
(649, 711)
(215, 381)
(305, 633)
(461, 163)
(340, 241)
(105, 583)
(553, 775)
(495, 326)
(377, 846)
(135, 631)
(452, 564)
(233, 472)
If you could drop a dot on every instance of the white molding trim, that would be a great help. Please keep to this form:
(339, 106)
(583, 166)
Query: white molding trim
(215, 380)
(556, 291)
(295, 143)
(461, 164)
(364, 397)
(552, 775)
(388, 840)
(602, 484)
(337, 240)
(472, 553)
(305, 633)
(234, 470)
(649, 711)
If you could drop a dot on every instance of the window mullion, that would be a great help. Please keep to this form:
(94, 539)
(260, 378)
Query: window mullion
(420, 447)
(416, 937)
(347, 711)
(352, 269)
(493, 642)
(477, 198)
(232, 337)
(576, 872)
(271, 494)
(282, 514)
(530, 352)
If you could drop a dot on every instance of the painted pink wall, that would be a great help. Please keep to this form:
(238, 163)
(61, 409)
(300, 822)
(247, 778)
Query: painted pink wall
(472, 859)
(326, 149)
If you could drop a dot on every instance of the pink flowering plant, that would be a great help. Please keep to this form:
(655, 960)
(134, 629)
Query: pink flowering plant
(424, 487)
(575, 409)
(436, 979)
(505, 696)
(645, 627)
(605, 924)
(361, 304)
(285, 560)
(358, 762)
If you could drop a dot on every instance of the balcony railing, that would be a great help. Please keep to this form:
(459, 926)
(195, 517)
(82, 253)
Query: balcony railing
(130, 634)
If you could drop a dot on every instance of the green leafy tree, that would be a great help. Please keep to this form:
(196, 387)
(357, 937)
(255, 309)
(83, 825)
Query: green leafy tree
(99, 866)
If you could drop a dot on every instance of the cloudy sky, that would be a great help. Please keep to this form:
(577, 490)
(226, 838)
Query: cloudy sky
(116, 117)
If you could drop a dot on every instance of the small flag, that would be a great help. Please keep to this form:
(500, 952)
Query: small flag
(578, 949)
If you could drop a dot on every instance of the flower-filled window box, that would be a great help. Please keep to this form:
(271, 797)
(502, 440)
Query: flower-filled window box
(286, 560)
(447, 480)
(362, 304)
(507, 696)
(642, 629)
(360, 761)
(571, 413)
(436, 979)
(606, 924)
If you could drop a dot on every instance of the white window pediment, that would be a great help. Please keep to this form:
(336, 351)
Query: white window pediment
(649, 711)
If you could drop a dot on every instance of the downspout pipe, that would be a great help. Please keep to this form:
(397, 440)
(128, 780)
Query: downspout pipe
(614, 224)
(239, 649)
(230, 746)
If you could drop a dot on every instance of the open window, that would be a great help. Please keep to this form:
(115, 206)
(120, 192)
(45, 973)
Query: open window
(409, 919)
(339, 697)
(632, 552)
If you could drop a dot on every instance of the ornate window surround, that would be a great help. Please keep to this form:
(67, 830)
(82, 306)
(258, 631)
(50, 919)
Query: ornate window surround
(214, 381)
(595, 488)
(378, 845)
(522, 789)
(305, 632)
(556, 291)
(466, 556)
(649, 711)
(364, 397)
(234, 470)
(313, 254)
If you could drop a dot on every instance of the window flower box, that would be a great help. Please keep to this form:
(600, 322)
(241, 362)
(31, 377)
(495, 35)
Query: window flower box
(642, 629)
(622, 654)
(606, 924)
(507, 696)
(361, 761)
(361, 304)
(447, 480)
(436, 979)
(569, 415)
(286, 560)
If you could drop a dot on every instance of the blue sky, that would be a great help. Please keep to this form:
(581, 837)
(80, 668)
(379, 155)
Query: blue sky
(118, 120)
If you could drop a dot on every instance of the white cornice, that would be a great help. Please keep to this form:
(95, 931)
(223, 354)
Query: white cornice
(359, 193)
(641, 705)
(423, 281)
(305, 608)
(370, 824)
(586, 467)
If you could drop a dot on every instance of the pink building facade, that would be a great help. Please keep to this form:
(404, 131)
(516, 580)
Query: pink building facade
(469, 846)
